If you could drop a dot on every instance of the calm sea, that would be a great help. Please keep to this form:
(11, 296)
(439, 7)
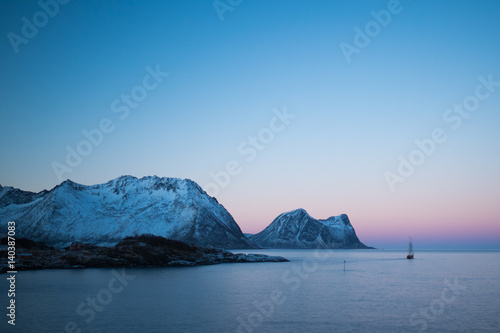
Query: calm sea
(379, 291)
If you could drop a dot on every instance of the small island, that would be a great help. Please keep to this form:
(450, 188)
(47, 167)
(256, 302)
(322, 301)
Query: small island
(138, 251)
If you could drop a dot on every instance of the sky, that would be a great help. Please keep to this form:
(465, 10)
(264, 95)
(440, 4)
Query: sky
(387, 111)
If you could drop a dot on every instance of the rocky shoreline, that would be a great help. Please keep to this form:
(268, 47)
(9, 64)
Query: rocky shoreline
(139, 251)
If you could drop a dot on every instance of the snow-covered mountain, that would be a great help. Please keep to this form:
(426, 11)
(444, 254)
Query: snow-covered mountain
(126, 206)
(298, 230)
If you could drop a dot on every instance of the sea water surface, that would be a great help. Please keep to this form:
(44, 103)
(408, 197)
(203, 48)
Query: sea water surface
(379, 291)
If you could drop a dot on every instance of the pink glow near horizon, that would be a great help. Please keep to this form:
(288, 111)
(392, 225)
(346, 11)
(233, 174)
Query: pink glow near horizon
(389, 221)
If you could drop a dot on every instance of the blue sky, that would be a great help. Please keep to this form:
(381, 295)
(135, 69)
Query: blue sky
(226, 81)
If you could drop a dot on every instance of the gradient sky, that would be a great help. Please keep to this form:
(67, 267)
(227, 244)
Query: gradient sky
(227, 79)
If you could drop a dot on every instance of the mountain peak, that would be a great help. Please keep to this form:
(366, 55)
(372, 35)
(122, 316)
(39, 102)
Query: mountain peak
(125, 206)
(297, 229)
(67, 182)
(70, 185)
(125, 178)
(341, 218)
(297, 212)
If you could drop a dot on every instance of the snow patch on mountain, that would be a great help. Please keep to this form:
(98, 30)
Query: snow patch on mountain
(126, 206)
(297, 229)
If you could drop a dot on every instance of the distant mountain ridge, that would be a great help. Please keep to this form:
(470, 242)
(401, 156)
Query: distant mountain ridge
(173, 208)
(298, 230)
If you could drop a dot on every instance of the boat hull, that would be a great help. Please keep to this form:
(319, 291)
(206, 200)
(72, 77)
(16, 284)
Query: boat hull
(410, 256)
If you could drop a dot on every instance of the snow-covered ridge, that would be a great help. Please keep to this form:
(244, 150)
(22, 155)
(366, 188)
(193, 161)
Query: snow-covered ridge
(297, 229)
(10, 195)
(126, 206)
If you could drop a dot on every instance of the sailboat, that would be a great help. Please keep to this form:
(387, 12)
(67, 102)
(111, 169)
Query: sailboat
(410, 251)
